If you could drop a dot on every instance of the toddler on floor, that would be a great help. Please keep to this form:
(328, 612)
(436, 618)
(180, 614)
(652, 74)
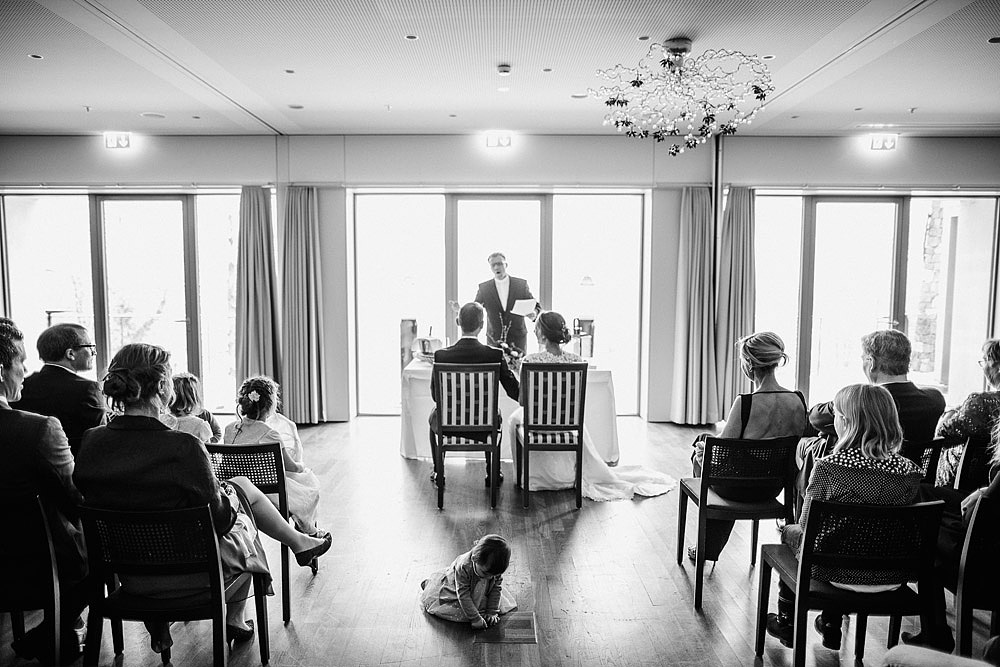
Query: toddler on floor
(470, 590)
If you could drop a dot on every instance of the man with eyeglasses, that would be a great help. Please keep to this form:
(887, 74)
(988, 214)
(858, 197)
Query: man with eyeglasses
(57, 390)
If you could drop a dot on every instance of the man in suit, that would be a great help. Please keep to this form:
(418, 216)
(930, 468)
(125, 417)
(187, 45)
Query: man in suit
(37, 461)
(57, 391)
(498, 297)
(885, 360)
(468, 350)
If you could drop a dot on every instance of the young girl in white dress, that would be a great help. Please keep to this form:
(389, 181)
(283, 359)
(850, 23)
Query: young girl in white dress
(470, 590)
(557, 470)
(257, 407)
(185, 408)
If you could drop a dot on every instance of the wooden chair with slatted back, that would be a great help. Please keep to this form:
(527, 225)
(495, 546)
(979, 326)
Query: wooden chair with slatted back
(553, 397)
(737, 464)
(467, 418)
(165, 543)
(978, 585)
(974, 466)
(263, 465)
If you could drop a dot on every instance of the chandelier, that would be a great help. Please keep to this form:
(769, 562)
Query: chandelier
(672, 96)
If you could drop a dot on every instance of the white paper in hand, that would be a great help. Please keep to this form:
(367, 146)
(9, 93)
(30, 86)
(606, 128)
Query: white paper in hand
(524, 307)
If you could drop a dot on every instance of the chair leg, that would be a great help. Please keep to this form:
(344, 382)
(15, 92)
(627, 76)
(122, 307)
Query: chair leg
(994, 623)
(526, 482)
(763, 594)
(494, 461)
(286, 589)
(92, 649)
(579, 477)
(963, 628)
(753, 542)
(517, 461)
(681, 523)
(218, 641)
(860, 632)
(799, 633)
(261, 604)
(165, 657)
(895, 624)
(699, 566)
(17, 624)
(117, 636)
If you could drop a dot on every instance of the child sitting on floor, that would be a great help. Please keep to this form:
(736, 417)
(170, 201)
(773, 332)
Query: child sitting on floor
(471, 590)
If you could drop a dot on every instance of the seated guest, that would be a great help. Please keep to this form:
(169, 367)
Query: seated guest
(57, 391)
(138, 463)
(934, 630)
(974, 418)
(257, 407)
(885, 360)
(468, 350)
(185, 413)
(37, 460)
(864, 468)
(771, 411)
(557, 470)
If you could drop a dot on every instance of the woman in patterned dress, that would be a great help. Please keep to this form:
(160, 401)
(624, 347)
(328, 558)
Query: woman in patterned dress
(865, 468)
(973, 419)
(557, 470)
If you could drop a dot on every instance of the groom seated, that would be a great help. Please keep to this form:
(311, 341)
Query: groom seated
(468, 350)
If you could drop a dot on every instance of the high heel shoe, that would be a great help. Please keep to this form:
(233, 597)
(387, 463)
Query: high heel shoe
(235, 633)
(303, 558)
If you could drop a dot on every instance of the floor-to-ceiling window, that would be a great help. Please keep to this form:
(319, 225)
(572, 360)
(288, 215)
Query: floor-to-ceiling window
(831, 269)
(131, 268)
(581, 255)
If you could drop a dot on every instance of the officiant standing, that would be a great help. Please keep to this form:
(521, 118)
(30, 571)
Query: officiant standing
(499, 297)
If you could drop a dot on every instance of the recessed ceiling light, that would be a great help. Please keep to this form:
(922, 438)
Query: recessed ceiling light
(453, 115)
(153, 114)
(546, 69)
(994, 40)
(295, 106)
(412, 37)
(858, 108)
(794, 117)
(289, 71)
(769, 56)
(579, 96)
(196, 117)
(643, 38)
(503, 89)
(35, 56)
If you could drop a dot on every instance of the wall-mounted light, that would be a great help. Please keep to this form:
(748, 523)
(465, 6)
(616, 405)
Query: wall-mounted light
(118, 140)
(497, 140)
(883, 142)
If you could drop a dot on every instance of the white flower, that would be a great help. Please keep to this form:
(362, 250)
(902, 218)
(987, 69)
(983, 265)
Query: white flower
(253, 396)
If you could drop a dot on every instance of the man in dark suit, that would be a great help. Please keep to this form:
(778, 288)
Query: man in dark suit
(498, 297)
(885, 359)
(57, 391)
(37, 461)
(468, 350)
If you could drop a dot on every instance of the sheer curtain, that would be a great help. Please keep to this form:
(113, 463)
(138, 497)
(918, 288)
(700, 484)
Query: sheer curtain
(258, 343)
(695, 398)
(735, 314)
(304, 386)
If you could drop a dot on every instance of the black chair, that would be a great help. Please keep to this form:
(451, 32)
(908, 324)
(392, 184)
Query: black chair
(927, 454)
(29, 582)
(173, 542)
(263, 465)
(974, 466)
(746, 465)
(839, 537)
(466, 408)
(978, 584)
(553, 397)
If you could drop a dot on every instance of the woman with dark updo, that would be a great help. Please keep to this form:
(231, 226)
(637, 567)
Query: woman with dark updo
(138, 463)
(557, 470)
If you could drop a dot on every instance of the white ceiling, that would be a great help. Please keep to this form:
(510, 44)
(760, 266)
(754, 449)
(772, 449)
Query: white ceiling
(219, 66)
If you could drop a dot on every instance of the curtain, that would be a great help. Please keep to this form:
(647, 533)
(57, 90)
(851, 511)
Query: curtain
(735, 314)
(303, 362)
(695, 398)
(258, 341)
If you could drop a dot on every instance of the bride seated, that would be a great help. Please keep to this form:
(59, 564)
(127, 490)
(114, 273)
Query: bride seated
(557, 470)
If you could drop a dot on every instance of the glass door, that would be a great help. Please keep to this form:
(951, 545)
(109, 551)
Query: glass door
(852, 289)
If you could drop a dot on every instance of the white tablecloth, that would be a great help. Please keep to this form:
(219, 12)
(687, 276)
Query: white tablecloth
(599, 415)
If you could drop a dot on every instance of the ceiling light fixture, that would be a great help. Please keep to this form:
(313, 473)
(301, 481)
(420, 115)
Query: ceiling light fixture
(155, 115)
(670, 94)
(412, 38)
(296, 106)
(35, 56)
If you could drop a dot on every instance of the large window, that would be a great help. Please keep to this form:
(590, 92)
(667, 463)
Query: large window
(831, 269)
(164, 268)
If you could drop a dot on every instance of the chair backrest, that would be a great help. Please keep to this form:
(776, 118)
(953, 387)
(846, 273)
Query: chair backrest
(262, 464)
(927, 454)
(553, 396)
(870, 544)
(27, 579)
(734, 462)
(981, 550)
(467, 396)
(974, 467)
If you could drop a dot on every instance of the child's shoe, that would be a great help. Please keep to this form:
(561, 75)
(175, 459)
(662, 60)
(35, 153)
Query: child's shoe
(780, 627)
(830, 631)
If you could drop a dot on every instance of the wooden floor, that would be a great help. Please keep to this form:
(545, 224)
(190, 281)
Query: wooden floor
(602, 581)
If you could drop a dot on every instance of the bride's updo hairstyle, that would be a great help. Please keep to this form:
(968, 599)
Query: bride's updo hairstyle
(138, 374)
(552, 325)
(761, 352)
(258, 397)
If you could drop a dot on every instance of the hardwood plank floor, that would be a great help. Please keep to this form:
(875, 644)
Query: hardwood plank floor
(602, 581)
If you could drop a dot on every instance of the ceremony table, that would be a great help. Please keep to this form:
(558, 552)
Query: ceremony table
(599, 416)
